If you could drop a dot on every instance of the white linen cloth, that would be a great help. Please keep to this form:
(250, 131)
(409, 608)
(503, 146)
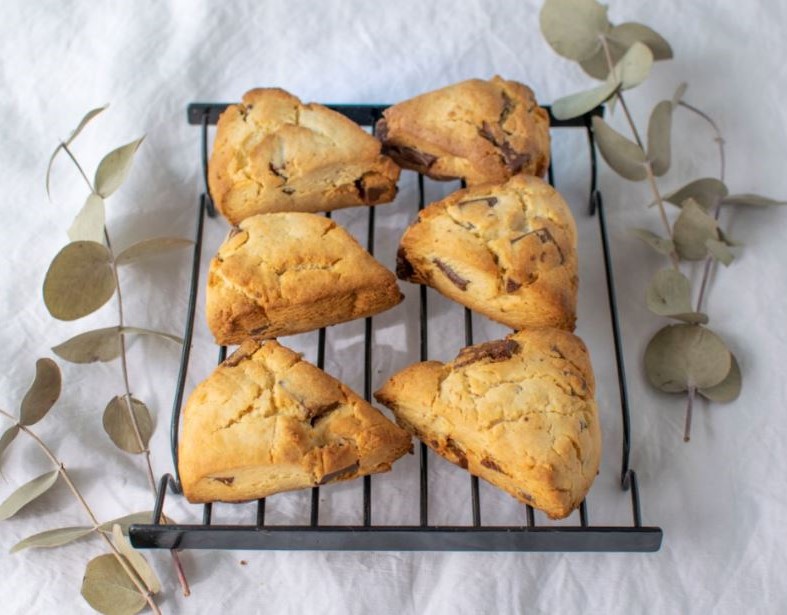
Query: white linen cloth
(720, 499)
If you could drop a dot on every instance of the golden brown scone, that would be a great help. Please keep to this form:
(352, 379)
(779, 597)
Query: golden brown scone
(286, 273)
(274, 153)
(479, 131)
(267, 421)
(519, 413)
(507, 251)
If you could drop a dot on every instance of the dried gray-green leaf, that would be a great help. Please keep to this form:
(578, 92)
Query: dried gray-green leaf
(624, 156)
(720, 251)
(751, 200)
(27, 493)
(84, 122)
(8, 437)
(126, 520)
(139, 563)
(680, 92)
(114, 168)
(42, 394)
(92, 346)
(669, 293)
(572, 27)
(729, 240)
(619, 40)
(52, 538)
(729, 388)
(660, 244)
(580, 103)
(79, 281)
(682, 356)
(151, 247)
(161, 334)
(659, 133)
(706, 191)
(692, 230)
(634, 67)
(89, 222)
(108, 588)
(120, 428)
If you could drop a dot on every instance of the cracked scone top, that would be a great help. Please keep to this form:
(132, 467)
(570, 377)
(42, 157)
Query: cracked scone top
(476, 130)
(274, 153)
(519, 413)
(266, 421)
(286, 273)
(507, 251)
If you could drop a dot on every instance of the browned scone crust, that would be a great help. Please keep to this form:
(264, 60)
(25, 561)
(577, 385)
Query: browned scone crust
(266, 421)
(286, 273)
(479, 131)
(519, 413)
(274, 153)
(507, 251)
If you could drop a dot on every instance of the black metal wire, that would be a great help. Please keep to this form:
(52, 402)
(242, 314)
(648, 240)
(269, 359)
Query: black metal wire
(423, 318)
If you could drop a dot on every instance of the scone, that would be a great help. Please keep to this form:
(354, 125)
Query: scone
(274, 153)
(286, 273)
(507, 251)
(519, 413)
(479, 131)
(267, 421)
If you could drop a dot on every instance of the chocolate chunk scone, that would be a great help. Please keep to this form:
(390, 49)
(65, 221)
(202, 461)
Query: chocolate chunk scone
(274, 153)
(479, 131)
(286, 273)
(507, 251)
(267, 421)
(519, 413)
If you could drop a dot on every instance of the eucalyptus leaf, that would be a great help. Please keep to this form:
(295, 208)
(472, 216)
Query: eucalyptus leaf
(161, 334)
(114, 168)
(669, 293)
(660, 244)
(139, 563)
(680, 92)
(693, 228)
(729, 388)
(751, 200)
(720, 251)
(619, 40)
(728, 240)
(108, 588)
(89, 222)
(572, 27)
(120, 428)
(706, 191)
(625, 157)
(97, 345)
(42, 394)
(79, 281)
(27, 493)
(126, 520)
(580, 103)
(151, 247)
(682, 356)
(8, 437)
(52, 538)
(634, 67)
(659, 133)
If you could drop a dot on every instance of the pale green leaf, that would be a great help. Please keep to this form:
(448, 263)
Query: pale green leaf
(92, 346)
(120, 428)
(729, 388)
(619, 40)
(580, 103)
(151, 247)
(659, 133)
(634, 67)
(660, 244)
(8, 437)
(114, 168)
(680, 92)
(669, 293)
(42, 394)
(52, 538)
(751, 200)
(692, 230)
(89, 222)
(126, 520)
(109, 589)
(572, 27)
(720, 251)
(624, 156)
(139, 563)
(161, 334)
(79, 281)
(706, 191)
(729, 240)
(27, 493)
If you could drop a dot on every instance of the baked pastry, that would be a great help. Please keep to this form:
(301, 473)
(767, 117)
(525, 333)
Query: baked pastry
(267, 421)
(281, 274)
(274, 153)
(479, 131)
(518, 412)
(507, 251)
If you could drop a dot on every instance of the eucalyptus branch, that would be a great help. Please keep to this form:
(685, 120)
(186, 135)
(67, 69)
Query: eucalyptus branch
(78, 166)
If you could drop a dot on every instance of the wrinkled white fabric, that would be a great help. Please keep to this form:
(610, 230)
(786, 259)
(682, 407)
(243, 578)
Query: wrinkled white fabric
(720, 499)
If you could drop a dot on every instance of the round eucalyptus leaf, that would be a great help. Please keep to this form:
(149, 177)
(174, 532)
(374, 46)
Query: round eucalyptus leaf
(120, 428)
(580, 103)
(729, 388)
(79, 281)
(8, 437)
(572, 27)
(624, 156)
(720, 251)
(108, 588)
(151, 247)
(659, 133)
(619, 40)
(97, 345)
(114, 168)
(634, 67)
(682, 356)
(693, 228)
(42, 394)
(27, 493)
(669, 293)
(89, 223)
(52, 538)
(161, 334)
(706, 191)
(658, 243)
(597, 65)
(139, 563)
(751, 200)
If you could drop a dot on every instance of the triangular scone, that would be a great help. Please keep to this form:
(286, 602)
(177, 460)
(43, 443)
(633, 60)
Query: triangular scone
(507, 251)
(479, 131)
(517, 412)
(286, 273)
(267, 421)
(274, 153)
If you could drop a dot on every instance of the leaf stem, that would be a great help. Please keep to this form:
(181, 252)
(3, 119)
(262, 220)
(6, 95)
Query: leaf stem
(689, 408)
(78, 166)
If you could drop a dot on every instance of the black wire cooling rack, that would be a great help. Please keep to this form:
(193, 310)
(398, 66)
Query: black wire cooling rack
(424, 536)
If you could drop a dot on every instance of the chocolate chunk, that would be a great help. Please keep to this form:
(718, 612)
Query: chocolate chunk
(409, 155)
(508, 107)
(247, 349)
(460, 457)
(498, 350)
(404, 268)
(315, 414)
(381, 129)
(582, 425)
(277, 170)
(490, 200)
(259, 330)
(452, 275)
(340, 473)
(490, 463)
(545, 237)
(288, 190)
(234, 231)
(512, 285)
(555, 350)
(526, 496)
(227, 480)
(513, 159)
(368, 194)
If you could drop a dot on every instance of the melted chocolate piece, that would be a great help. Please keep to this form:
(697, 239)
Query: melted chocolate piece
(368, 194)
(490, 463)
(315, 414)
(404, 268)
(234, 231)
(409, 155)
(340, 473)
(513, 159)
(457, 452)
(512, 285)
(239, 355)
(227, 480)
(381, 129)
(278, 171)
(490, 200)
(259, 330)
(498, 350)
(545, 237)
(452, 275)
